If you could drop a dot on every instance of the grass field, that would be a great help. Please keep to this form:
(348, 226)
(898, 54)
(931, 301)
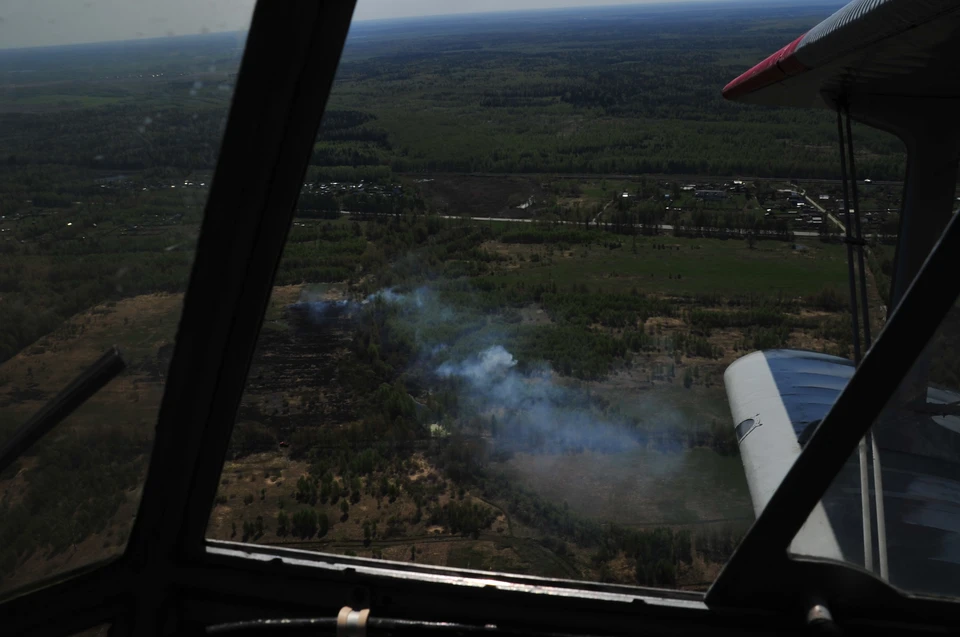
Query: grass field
(689, 267)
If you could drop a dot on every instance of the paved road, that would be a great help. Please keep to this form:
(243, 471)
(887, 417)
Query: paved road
(663, 227)
(625, 177)
(823, 210)
(831, 217)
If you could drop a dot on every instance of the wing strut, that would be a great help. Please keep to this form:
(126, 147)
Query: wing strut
(868, 446)
(88, 383)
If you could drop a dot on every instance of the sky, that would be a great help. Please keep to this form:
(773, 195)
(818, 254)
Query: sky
(383, 9)
(25, 23)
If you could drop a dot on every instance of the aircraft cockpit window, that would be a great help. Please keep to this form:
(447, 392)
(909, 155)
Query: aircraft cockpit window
(110, 122)
(519, 307)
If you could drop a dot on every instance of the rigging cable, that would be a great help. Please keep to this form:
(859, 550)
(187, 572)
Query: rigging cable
(874, 450)
(858, 233)
(848, 239)
(854, 318)
(870, 438)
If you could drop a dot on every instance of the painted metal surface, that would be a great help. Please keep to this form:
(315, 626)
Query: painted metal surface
(774, 68)
(781, 391)
(861, 49)
(862, 23)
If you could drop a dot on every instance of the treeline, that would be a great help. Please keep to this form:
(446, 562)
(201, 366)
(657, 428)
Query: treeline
(117, 137)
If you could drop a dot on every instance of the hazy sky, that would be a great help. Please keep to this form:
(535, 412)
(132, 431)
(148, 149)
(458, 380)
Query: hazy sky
(374, 9)
(47, 22)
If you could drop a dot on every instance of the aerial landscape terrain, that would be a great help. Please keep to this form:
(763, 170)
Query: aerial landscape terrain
(526, 248)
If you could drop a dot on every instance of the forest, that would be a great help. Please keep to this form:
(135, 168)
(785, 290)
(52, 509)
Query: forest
(623, 90)
(629, 90)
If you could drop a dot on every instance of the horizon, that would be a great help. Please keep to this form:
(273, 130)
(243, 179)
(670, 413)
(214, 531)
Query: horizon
(366, 13)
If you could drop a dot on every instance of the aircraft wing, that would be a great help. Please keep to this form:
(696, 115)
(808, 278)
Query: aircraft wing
(869, 47)
(895, 507)
(778, 396)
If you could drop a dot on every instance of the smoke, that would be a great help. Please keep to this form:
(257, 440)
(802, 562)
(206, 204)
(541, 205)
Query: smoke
(536, 412)
(319, 307)
(390, 296)
(320, 310)
(493, 362)
(524, 407)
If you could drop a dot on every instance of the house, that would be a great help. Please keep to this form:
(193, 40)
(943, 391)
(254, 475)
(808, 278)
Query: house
(710, 195)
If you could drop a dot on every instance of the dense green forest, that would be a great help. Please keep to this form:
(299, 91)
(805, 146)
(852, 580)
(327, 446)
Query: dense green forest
(619, 90)
(626, 90)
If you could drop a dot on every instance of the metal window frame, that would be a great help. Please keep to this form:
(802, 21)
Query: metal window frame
(171, 579)
(289, 62)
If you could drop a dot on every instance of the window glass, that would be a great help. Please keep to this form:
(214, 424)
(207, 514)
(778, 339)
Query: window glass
(909, 468)
(515, 280)
(110, 120)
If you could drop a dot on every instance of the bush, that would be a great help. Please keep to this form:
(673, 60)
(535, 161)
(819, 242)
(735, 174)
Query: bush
(251, 437)
(829, 299)
(304, 523)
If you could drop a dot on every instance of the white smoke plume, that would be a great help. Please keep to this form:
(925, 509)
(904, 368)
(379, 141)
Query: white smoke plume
(536, 412)
(493, 362)
(533, 409)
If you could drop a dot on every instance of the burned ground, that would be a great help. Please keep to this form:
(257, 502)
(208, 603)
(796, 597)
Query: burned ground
(296, 379)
